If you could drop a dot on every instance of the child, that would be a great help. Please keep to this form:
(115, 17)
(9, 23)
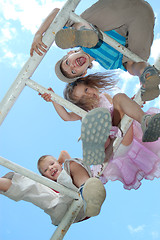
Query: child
(87, 93)
(75, 176)
(130, 23)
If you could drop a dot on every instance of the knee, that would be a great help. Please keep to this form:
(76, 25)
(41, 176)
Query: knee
(118, 98)
(148, 13)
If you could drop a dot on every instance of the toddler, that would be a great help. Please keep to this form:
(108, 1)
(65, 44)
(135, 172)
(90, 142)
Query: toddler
(75, 175)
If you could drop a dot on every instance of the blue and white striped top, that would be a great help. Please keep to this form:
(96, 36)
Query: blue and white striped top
(105, 55)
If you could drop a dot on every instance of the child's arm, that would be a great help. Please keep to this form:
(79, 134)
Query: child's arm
(62, 112)
(37, 43)
(63, 156)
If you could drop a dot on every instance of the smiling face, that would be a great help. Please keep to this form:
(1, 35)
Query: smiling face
(82, 90)
(85, 97)
(50, 168)
(76, 64)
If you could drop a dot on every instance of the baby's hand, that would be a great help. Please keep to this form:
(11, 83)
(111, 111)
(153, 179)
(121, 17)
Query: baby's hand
(46, 96)
(38, 45)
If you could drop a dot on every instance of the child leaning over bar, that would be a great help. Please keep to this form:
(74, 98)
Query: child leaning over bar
(75, 175)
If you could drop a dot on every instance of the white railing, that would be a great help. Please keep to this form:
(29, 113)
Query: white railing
(23, 79)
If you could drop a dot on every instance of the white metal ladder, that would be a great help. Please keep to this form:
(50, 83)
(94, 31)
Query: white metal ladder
(23, 79)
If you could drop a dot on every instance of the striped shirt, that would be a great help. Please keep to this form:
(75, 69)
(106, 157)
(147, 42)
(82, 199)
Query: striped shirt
(105, 55)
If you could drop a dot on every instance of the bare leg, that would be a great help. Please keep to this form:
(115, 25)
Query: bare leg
(124, 105)
(93, 192)
(150, 124)
(136, 69)
(5, 184)
(78, 174)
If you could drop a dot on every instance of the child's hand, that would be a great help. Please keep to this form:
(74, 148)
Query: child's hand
(46, 96)
(63, 156)
(38, 46)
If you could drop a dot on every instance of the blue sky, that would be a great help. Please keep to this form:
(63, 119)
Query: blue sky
(32, 128)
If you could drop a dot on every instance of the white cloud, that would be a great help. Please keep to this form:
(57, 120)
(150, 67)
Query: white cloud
(125, 75)
(137, 229)
(155, 49)
(126, 80)
(96, 66)
(7, 32)
(29, 13)
(8, 54)
(157, 103)
(15, 60)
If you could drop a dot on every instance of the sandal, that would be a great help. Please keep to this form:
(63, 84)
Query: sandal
(95, 130)
(150, 80)
(70, 37)
(151, 127)
(149, 94)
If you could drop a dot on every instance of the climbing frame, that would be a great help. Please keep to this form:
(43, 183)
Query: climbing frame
(23, 80)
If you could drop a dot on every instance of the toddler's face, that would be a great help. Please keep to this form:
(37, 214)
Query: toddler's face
(50, 168)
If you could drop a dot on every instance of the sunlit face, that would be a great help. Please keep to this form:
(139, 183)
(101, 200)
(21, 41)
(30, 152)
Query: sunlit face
(76, 64)
(50, 168)
(82, 90)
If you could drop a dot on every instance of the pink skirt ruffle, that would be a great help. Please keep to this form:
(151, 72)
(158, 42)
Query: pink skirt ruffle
(141, 161)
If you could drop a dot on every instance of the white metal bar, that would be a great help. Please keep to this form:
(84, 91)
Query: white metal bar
(23, 79)
(45, 181)
(37, 87)
(126, 121)
(31, 65)
(124, 126)
(113, 43)
(33, 62)
(73, 210)
(10, 99)
(67, 220)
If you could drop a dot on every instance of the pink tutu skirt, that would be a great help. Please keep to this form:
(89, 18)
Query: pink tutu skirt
(141, 161)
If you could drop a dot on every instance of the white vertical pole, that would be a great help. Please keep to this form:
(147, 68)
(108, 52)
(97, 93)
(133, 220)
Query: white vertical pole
(67, 220)
(33, 62)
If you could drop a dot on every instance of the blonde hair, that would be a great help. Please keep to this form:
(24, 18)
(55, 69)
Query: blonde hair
(100, 81)
(41, 159)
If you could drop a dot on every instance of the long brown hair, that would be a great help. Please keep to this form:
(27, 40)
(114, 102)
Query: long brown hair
(100, 81)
